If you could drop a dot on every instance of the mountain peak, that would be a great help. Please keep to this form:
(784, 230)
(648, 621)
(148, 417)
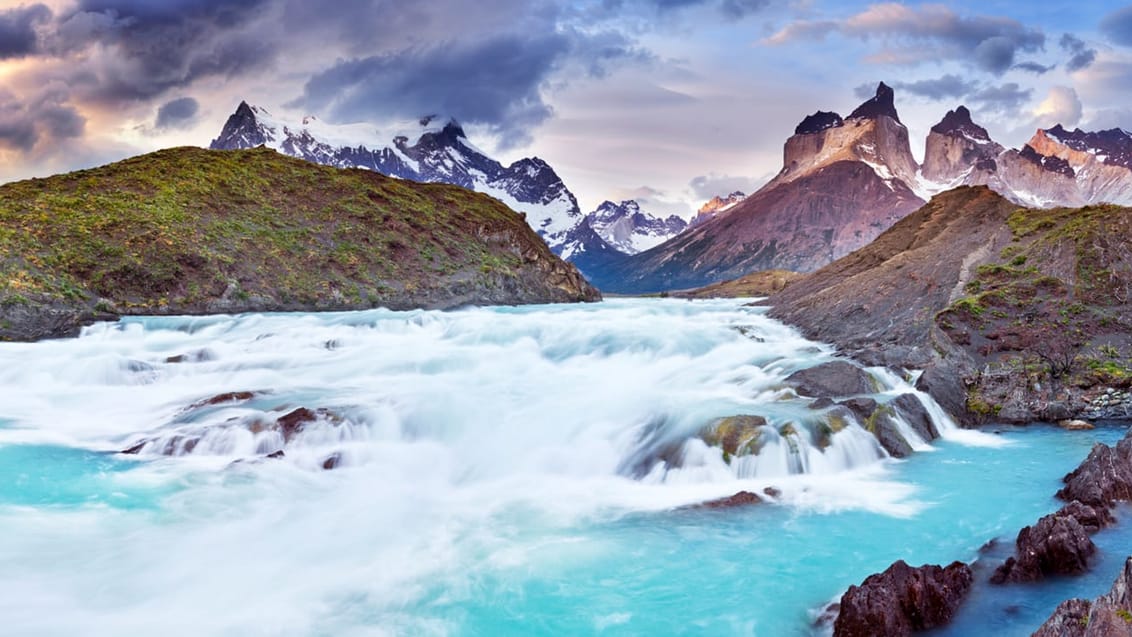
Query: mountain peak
(818, 122)
(883, 103)
(958, 123)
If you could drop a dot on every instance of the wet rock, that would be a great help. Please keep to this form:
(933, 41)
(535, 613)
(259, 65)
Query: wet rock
(944, 382)
(227, 397)
(903, 600)
(822, 403)
(835, 378)
(196, 356)
(276, 455)
(916, 415)
(1092, 519)
(332, 461)
(1075, 425)
(887, 433)
(294, 421)
(736, 435)
(772, 492)
(740, 499)
(1057, 545)
(862, 407)
(1109, 615)
(1104, 478)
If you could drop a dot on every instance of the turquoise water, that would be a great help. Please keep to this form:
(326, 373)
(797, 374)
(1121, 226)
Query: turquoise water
(481, 489)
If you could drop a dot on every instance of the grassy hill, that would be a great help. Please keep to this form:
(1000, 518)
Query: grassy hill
(188, 230)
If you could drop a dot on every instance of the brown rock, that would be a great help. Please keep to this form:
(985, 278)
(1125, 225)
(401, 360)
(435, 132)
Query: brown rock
(1057, 545)
(903, 600)
(1109, 615)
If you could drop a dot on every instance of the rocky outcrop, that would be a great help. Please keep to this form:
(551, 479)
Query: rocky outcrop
(1057, 545)
(1104, 478)
(903, 600)
(832, 379)
(253, 230)
(761, 283)
(1109, 615)
(968, 288)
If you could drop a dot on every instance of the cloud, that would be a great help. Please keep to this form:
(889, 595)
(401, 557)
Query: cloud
(946, 87)
(930, 32)
(1061, 106)
(178, 113)
(707, 186)
(1117, 26)
(1006, 98)
(24, 124)
(1035, 68)
(1081, 57)
(17, 30)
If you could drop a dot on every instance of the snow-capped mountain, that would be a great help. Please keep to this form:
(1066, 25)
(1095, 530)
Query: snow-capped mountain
(628, 229)
(1055, 168)
(431, 149)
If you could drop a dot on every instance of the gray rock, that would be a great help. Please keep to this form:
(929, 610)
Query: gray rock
(1057, 545)
(913, 412)
(835, 378)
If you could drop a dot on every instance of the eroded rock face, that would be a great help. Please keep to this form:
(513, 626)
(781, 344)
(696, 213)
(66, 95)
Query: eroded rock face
(1107, 616)
(1104, 478)
(903, 600)
(1057, 545)
(835, 378)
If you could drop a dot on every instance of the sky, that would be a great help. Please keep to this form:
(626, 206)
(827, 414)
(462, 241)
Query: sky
(666, 101)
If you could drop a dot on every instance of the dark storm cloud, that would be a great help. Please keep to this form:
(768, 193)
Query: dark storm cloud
(495, 82)
(1081, 56)
(946, 87)
(177, 113)
(1006, 98)
(23, 124)
(926, 33)
(1117, 26)
(17, 30)
(159, 45)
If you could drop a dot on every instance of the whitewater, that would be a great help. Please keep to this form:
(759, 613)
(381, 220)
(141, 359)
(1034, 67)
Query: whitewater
(493, 473)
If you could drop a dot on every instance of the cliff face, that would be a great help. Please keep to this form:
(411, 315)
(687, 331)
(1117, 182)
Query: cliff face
(192, 231)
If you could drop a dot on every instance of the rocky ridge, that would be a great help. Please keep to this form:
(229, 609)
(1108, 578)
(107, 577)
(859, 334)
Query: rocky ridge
(192, 231)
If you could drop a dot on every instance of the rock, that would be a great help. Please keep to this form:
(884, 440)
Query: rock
(862, 407)
(912, 410)
(1057, 411)
(1075, 425)
(1109, 615)
(888, 435)
(736, 435)
(1057, 545)
(822, 403)
(1104, 478)
(835, 378)
(276, 455)
(740, 499)
(1070, 619)
(902, 600)
(772, 492)
(332, 461)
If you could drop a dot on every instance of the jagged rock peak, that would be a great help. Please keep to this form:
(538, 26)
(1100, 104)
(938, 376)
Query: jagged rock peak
(958, 123)
(1048, 162)
(1114, 144)
(883, 103)
(818, 122)
(718, 203)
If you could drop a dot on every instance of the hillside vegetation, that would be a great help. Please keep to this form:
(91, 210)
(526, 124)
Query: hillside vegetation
(188, 230)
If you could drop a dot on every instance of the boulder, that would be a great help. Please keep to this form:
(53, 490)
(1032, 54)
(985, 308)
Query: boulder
(1057, 545)
(835, 378)
(1072, 424)
(861, 406)
(887, 433)
(903, 600)
(1104, 478)
(1109, 615)
(736, 435)
(1092, 519)
(912, 410)
(740, 499)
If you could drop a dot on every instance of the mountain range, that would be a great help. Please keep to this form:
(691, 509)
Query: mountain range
(435, 149)
(844, 180)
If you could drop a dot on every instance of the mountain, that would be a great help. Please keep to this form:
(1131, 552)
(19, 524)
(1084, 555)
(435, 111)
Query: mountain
(971, 288)
(431, 149)
(191, 231)
(843, 181)
(629, 230)
(1055, 168)
(716, 205)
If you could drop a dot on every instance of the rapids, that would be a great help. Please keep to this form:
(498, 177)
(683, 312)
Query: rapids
(483, 481)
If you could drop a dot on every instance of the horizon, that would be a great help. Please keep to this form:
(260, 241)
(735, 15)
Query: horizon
(660, 101)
